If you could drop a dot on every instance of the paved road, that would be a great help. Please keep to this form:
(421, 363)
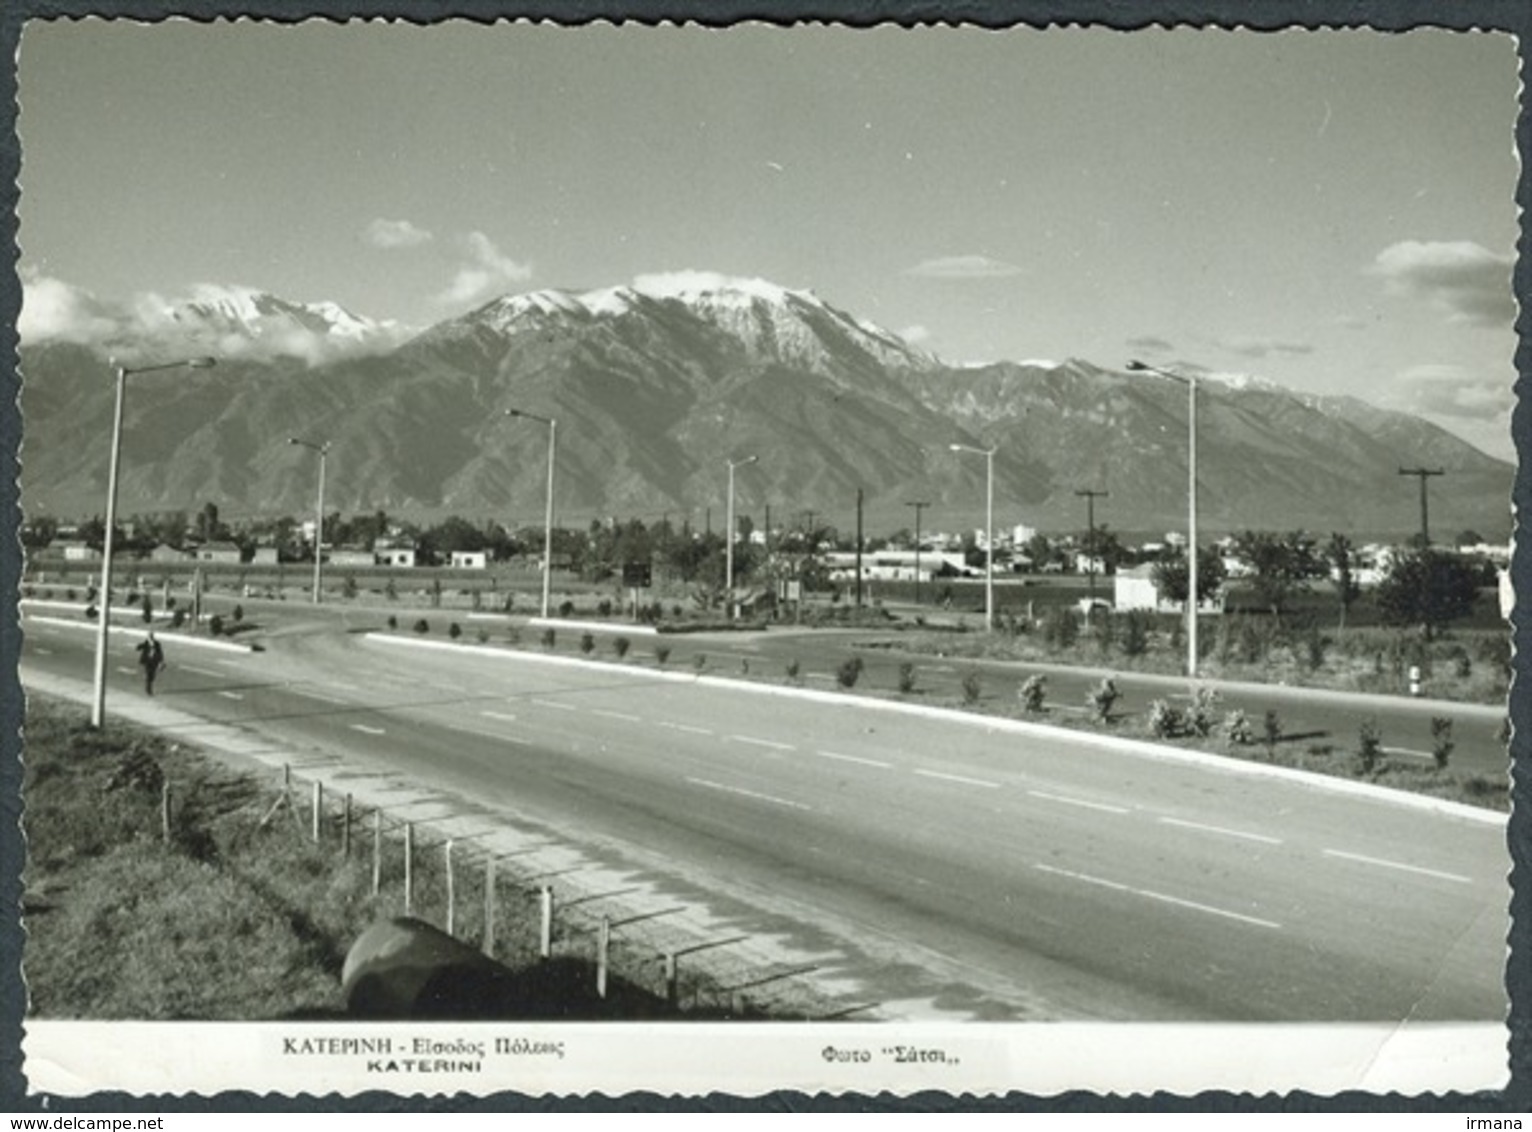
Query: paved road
(956, 865)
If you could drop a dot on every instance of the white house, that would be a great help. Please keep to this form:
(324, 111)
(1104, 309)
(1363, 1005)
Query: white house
(470, 559)
(392, 554)
(1135, 589)
(892, 565)
(224, 552)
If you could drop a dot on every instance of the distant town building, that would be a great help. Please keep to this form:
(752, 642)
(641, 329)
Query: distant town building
(470, 559)
(893, 565)
(226, 553)
(76, 551)
(351, 556)
(393, 554)
(264, 556)
(164, 552)
(1135, 588)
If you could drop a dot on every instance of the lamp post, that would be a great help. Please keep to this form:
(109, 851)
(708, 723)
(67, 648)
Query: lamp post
(919, 505)
(323, 450)
(1090, 494)
(553, 429)
(728, 540)
(989, 530)
(1191, 496)
(98, 704)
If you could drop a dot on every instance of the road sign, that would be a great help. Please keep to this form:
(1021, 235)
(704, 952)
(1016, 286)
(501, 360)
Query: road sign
(636, 575)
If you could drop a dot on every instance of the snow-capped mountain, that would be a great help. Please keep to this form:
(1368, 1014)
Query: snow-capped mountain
(659, 384)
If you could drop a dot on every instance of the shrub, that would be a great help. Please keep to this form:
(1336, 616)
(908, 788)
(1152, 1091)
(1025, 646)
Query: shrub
(1101, 699)
(69, 594)
(906, 677)
(566, 608)
(454, 630)
(1369, 745)
(661, 654)
(604, 607)
(239, 613)
(393, 622)
(849, 671)
(422, 626)
(549, 637)
(148, 611)
(177, 618)
(1135, 632)
(587, 643)
(973, 685)
(215, 625)
(348, 588)
(1315, 645)
(390, 590)
(1166, 721)
(1462, 664)
(699, 662)
(620, 646)
(1201, 715)
(513, 634)
(1238, 729)
(1062, 628)
(482, 636)
(793, 669)
(1033, 689)
(1441, 740)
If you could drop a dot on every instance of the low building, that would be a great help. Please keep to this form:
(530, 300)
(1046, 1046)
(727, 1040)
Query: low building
(350, 556)
(164, 552)
(893, 565)
(470, 559)
(1136, 589)
(226, 553)
(393, 554)
(264, 556)
(76, 551)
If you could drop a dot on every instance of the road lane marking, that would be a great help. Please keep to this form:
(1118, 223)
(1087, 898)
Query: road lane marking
(622, 715)
(321, 697)
(772, 744)
(854, 759)
(125, 670)
(362, 727)
(1386, 864)
(1408, 751)
(1220, 829)
(228, 663)
(748, 794)
(957, 778)
(342, 685)
(198, 671)
(1150, 894)
(40, 651)
(499, 715)
(554, 704)
(689, 729)
(231, 695)
(1081, 802)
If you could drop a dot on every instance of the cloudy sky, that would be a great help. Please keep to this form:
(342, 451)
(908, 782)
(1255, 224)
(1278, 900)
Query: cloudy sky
(1333, 211)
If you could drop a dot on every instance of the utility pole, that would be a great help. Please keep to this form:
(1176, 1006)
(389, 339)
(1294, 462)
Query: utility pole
(859, 548)
(1091, 495)
(919, 506)
(1422, 474)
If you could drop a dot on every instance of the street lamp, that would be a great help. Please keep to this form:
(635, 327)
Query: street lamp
(728, 541)
(323, 450)
(1191, 496)
(989, 530)
(98, 705)
(919, 505)
(553, 429)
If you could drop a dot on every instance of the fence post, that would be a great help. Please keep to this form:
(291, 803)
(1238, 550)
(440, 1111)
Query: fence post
(165, 812)
(603, 943)
(318, 807)
(451, 888)
(489, 907)
(377, 850)
(545, 948)
(345, 830)
(409, 868)
(671, 981)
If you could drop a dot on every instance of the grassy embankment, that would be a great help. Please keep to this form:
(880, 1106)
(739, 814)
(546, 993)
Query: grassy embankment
(239, 915)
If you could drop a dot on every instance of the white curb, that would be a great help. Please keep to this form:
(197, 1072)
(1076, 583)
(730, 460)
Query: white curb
(129, 630)
(1139, 747)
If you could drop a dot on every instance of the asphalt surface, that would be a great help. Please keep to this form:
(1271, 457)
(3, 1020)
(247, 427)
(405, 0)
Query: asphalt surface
(950, 867)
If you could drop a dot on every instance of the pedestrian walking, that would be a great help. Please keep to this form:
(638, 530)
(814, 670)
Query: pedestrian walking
(151, 658)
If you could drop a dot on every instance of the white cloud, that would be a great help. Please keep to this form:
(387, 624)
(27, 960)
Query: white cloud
(1469, 282)
(1454, 391)
(964, 267)
(392, 234)
(55, 311)
(915, 335)
(1248, 347)
(486, 272)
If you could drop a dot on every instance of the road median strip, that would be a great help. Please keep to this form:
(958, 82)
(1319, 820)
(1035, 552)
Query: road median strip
(1136, 747)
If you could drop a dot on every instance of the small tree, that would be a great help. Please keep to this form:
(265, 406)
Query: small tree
(1441, 741)
(148, 610)
(849, 671)
(1201, 716)
(620, 646)
(348, 588)
(699, 662)
(454, 630)
(587, 643)
(566, 608)
(549, 637)
(422, 626)
(1101, 698)
(239, 613)
(1369, 745)
(1238, 729)
(1166, 721)
(1033, 689)
(1342, 557)
(215, 625)
(1135, 632)
(661, 654)
(906, 677)
(1271, 731)
(793, 669)
(973, 686)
